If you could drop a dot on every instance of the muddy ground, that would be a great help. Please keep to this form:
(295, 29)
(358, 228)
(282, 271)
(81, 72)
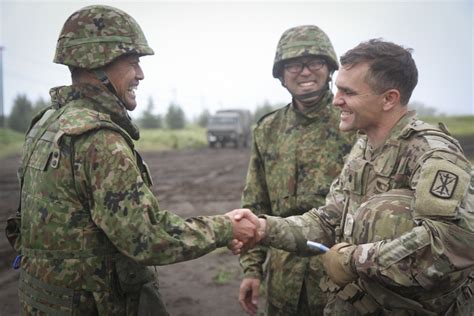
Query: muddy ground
(189, 182)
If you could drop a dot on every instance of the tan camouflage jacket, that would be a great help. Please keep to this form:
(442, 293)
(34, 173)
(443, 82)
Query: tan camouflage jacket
(422, 269)
(294, 158)
(87, 204)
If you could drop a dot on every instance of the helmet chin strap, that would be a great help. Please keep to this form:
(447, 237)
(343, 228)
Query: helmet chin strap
(305, 96)
(102, 77)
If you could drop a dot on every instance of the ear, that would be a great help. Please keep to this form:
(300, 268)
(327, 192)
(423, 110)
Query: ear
(391, 98)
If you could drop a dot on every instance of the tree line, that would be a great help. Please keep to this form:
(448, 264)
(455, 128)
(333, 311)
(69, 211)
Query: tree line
(23, 111)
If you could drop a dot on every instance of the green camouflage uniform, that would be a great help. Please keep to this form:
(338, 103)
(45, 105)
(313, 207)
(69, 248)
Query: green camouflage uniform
(90, 222)
(415, 263)
(294, 158)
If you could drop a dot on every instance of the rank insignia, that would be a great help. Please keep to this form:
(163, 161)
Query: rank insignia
(444, 184)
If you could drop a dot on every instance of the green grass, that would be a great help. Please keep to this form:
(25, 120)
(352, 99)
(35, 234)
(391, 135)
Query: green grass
(223, 277)
(150, 140)
(457, 125)
(165, 139)
(10, 142)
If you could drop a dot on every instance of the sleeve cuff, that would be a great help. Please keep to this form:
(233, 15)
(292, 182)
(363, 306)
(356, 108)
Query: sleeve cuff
(252, 274)
(267, 240)
(223, 230)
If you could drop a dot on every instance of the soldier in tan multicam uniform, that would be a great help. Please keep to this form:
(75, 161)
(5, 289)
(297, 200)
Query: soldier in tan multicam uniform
(400, 216)
(297, 151)
(90, 223)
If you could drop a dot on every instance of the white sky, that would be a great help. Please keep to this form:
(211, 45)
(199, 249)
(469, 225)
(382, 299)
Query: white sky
(219, 54)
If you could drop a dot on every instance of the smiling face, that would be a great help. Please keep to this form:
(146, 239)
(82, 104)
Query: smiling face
(306, 81)
(125, 74)
(361, 108)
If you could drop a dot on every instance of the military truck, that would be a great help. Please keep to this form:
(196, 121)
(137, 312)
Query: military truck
(229, 127)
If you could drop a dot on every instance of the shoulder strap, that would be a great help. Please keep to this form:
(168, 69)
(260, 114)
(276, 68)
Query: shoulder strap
(29, 151)
(420, 128)
(270, 113)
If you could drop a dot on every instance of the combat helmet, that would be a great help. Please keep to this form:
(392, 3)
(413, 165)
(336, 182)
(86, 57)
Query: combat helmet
(304, 40)
(386, 215)
(94, 36)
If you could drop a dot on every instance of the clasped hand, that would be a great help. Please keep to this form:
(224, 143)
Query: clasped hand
(248, 230)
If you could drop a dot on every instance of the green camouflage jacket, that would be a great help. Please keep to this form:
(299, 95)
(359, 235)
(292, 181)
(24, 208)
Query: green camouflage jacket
(90, 222)
(423, 269)
(294, 158)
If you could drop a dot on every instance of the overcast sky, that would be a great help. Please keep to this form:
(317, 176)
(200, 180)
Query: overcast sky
(219, 54)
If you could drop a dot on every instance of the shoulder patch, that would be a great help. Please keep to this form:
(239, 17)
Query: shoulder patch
(444, 184)
(441, 187)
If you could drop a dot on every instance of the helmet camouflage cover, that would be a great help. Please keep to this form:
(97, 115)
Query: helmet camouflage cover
(384, 216)
(304, 40)
(94, 36)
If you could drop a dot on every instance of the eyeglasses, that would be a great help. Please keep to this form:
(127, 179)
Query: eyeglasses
(297, 67)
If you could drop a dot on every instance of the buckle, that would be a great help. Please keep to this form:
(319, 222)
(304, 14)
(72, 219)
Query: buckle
(351, 293)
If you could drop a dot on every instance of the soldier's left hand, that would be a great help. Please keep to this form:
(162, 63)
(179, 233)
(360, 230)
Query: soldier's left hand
(236, 246)
(338, 264)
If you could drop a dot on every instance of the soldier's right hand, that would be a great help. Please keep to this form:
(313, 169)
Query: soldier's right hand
(248, 295)
(245, 226)
(240, 244)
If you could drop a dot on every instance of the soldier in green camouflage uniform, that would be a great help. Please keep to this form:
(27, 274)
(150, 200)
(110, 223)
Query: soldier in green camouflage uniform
(90, 223)
(296, 153)
(401, 213)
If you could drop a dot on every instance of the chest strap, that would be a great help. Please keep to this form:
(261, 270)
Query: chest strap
(34, 292)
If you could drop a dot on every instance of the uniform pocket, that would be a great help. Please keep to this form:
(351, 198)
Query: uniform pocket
(131, 275)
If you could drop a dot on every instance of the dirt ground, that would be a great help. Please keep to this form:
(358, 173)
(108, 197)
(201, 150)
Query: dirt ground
(189, 182)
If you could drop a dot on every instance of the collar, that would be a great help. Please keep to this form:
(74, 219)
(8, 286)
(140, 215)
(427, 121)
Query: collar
(394, 134)
(319, 109)
(98, 99)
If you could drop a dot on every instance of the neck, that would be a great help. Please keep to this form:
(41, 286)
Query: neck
(79, 76)
(378, 134)
(305, 106)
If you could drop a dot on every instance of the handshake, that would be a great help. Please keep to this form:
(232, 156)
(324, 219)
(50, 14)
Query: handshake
(247, 229)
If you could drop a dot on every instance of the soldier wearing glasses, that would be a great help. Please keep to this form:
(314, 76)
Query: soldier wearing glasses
(297, 151)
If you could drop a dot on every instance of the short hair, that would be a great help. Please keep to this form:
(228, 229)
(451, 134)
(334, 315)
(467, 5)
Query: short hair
(391, 66)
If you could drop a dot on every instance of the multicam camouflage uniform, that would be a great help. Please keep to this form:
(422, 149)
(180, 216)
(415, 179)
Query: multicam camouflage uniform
(416, 263)
(294, 158)
(89, 222)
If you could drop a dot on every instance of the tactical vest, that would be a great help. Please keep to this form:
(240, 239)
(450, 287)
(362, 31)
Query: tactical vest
(49, 154)
(378, 206)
